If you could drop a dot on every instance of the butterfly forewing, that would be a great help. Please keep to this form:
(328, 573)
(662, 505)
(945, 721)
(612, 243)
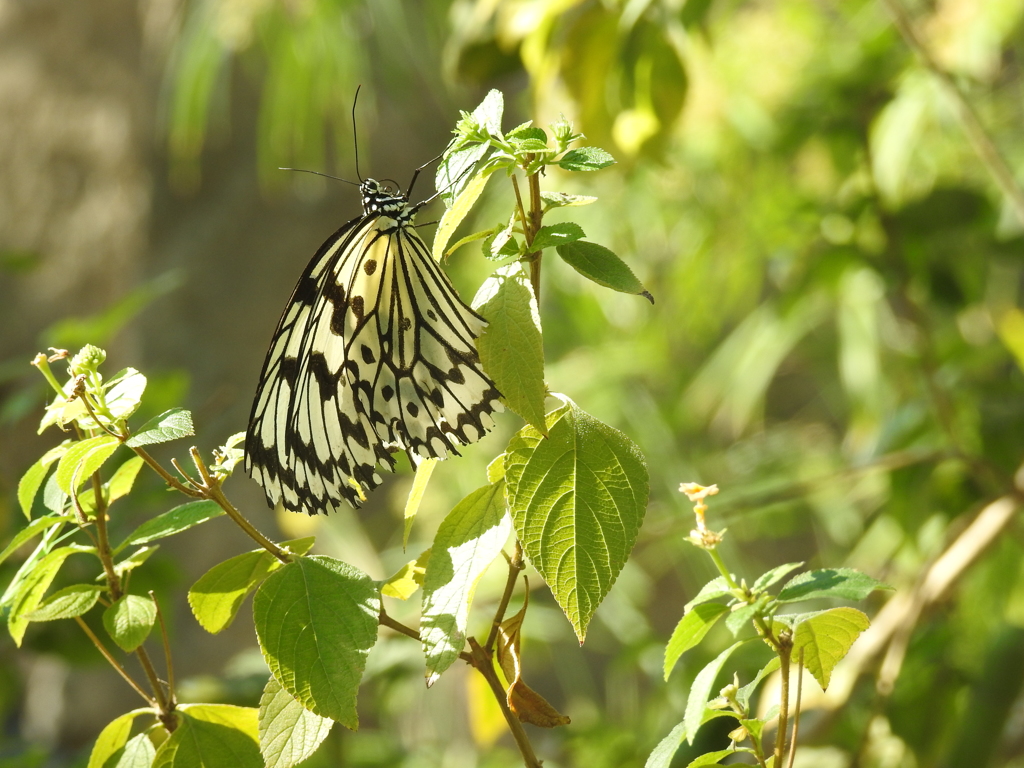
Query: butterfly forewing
(374, 353)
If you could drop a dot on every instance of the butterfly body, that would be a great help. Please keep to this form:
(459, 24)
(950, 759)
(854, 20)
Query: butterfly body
(374, 353)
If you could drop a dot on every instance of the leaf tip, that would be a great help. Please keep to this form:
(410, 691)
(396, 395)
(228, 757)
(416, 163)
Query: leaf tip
(647, 295)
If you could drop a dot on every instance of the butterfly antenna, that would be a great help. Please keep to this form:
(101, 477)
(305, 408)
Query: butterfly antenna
(416, 173)
(317, 173)
(433, 197)
(355, 136)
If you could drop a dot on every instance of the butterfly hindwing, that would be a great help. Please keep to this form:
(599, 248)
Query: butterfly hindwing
(374, 353)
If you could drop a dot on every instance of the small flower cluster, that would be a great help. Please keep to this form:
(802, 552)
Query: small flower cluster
(701, 536)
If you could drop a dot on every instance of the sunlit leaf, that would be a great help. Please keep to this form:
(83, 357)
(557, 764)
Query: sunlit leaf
(179, 519)
(130, 620)
(168, 426)
(690, 630)
(67, 603)
(597, 263)
(212, 736)
(289, 733)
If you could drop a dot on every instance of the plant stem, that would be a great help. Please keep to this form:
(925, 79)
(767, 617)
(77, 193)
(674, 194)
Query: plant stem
(215, 494)
(481, 660)
(785, 650)
(170, 479)
(387, 621)
(720, 565)
(515, 565)
(796, 711)
(103, 543)
(113, 662)
(172, 698)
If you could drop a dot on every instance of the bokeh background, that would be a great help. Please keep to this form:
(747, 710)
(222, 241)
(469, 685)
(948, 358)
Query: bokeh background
(836, 339)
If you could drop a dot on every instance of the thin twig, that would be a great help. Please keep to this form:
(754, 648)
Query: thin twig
(482, 662)
(385, 620)
(515, 565)
(785, 650)
(170, 479)
(113, 662)
(103, 543)
(172, 698)
(979, 138)
(796, 712)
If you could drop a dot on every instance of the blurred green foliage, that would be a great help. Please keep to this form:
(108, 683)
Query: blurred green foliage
(837, 340)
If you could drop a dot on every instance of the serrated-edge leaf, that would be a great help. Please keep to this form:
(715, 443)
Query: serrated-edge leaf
(67, 603)
(316, 620)
(745, 692)
(210, 736)
(82, 459)
(602, 266)
(412, 504)
(770, 577)
(511, 347)
(176, 520)
(481, 235)
(218, 594)
(741, 616)
(289, 733)
(690, 630)
(123, 398)
(717, 587)
(28, 487)
(130, 620)
(139, 752)
(467, 542)
(557, 235)
(577, 499)
(113, 737)
(844, 583)
(32, 588)
(37, 526)
(564, 199)
(700, 691)
(586, 159)
(121, 482)
(458, 211)
(711, 758)
(825, 638)
(169, 425)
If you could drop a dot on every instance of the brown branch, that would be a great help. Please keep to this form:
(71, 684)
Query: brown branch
(515, 565)
(979, 138)
(481, 660)
(385, 620)
(170, 479)
(103, 542)
(785, 650)
(796, 711)
(172, 697)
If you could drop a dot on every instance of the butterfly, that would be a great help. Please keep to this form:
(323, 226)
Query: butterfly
(375, 353)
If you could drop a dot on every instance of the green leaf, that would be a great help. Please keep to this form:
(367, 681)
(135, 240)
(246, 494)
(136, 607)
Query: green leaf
(577, 499)
(212, 736)
(741, 617)
(562, 199)
(409, 578)
(481, 235)
(139, 752)
(217, 596)
(33, 586)
(29, 484)
(744, 694)
(768, 578)
(67, 603)
(316, 619)
(528, 131)
(34, 528)
(700, 692)
(168, 426)
(597, 263)
(844, 583)
(496, 469)
(458, 168)
(511, 347)
(467, 542)
(179, 519)
(82, 459)
(289, 733)
(123, 479)
(134, 560)
(489, 112)
(662, 755)
(586, 159)
(824, 637)
(459, 209)
(557, 235)
(530, 145)
(690, 630)
(412, 505)
(113, 738)
(130, 620)
(125, 393)
(717, 587)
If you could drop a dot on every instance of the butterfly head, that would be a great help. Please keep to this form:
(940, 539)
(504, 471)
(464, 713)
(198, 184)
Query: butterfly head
(383, 198)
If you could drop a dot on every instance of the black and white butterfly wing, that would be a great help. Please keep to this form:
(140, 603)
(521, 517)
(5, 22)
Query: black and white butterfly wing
(374, 353)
